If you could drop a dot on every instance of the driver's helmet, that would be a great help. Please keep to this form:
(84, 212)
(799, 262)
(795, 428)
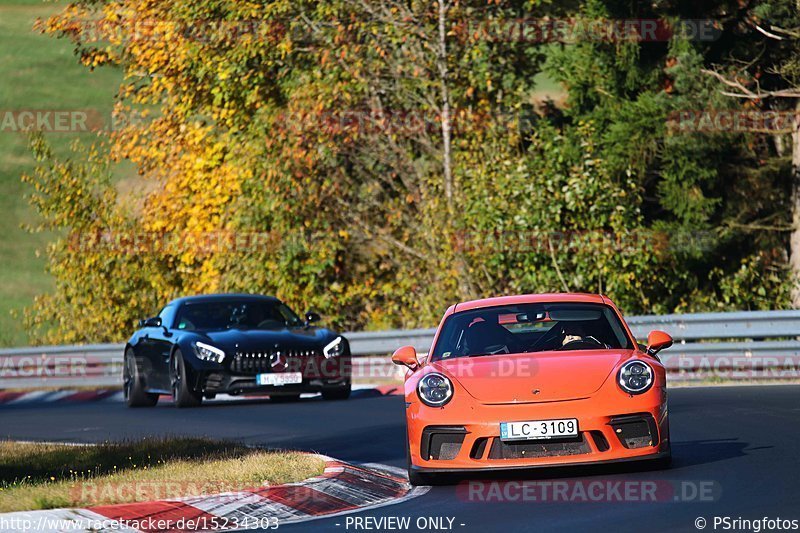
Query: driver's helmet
(485, 333)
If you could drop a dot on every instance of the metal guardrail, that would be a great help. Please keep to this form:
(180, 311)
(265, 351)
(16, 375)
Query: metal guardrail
(683, 328)
(741, 346)
(702, 326)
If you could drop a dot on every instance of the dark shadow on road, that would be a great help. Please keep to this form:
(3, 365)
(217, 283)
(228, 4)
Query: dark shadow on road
(699, 452)
(685, 454)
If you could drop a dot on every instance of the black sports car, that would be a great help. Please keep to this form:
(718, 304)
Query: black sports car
(200, 346)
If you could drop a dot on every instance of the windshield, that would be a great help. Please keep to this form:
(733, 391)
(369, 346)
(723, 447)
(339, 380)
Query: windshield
(238, 314)
(531, 328)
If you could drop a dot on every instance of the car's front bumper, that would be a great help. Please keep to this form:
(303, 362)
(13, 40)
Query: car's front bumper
(612, 428)
(530, 466)
(318, 374)
(218, 383)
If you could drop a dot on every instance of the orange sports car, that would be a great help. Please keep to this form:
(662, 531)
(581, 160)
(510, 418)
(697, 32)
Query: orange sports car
(534, 380)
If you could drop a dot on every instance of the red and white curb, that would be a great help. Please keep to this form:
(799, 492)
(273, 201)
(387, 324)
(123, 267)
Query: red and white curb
(115, 395)
(342, 488)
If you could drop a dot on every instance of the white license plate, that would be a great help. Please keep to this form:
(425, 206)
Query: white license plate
(288, 378)
(539, 429)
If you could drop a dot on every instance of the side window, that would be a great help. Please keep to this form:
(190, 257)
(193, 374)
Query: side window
(167, 316)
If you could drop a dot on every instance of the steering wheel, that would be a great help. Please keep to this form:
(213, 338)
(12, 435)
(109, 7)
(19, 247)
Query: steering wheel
(497, 348)
(546, 339)
(589, 341)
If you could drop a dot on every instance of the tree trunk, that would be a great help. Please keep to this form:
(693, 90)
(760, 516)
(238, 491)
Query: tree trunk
(466, 288)
(794, 239)
(445, 96)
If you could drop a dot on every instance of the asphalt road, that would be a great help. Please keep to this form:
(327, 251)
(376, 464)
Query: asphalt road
(736, 454)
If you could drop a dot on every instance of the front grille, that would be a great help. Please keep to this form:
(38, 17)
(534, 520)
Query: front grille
(275, 360)
(214, 381)
(442, 442)
(536, 449)
(635, 431)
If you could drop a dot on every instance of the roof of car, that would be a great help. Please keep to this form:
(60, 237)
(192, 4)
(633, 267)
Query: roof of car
(220, 297)
(530, 299)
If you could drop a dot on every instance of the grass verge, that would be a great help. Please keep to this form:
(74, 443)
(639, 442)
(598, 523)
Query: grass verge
(46, 476)
(39, 72)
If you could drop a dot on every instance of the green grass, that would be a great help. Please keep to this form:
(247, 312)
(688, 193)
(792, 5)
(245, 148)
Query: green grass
(37, 72)
(45, 476)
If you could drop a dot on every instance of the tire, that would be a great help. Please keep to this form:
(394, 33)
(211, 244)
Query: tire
(662, 463)
(414, 478)
(133, 392)
(287, 398)
(418, 479)
(339, 393)
(182, 393)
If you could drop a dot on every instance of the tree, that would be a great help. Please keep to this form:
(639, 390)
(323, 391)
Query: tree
(722, 186)
(379, 160)
(763, 72)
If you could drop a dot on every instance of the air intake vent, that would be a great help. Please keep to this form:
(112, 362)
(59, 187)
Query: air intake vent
(600, 441)
(535, 449)
(635, 431)
(479, 448)
(442, 442)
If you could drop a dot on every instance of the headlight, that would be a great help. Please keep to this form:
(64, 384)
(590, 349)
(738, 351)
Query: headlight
(435, 390)
(635, 377)
(206, 352)
(334, 348)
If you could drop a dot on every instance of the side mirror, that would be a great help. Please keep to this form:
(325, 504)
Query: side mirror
(154, 322)
(312, 317)
(657, 341)
(406, 356)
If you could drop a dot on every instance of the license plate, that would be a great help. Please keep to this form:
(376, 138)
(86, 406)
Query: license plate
(287, 378)
(539, 429)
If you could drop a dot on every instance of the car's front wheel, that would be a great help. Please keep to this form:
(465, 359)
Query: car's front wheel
(418, 479)
(183, 395)
(422, 480)
(662, 463)
(132, 390)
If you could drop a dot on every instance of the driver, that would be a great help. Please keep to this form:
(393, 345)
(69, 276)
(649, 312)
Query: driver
(487, 336)
(572, 331)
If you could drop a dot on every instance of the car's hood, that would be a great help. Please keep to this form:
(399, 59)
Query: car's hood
(516, 378)
(255, 340)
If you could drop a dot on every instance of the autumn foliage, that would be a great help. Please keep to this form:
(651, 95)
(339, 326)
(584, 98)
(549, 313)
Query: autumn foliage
(295, 148)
